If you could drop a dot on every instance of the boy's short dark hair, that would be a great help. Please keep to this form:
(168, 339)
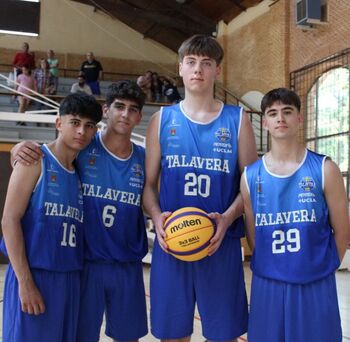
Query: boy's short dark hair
(283, 95)
(201, 45)
(81, 104)
(127, 90)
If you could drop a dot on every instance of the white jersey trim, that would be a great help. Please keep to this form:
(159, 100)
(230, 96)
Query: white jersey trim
(54, 157)
(246, 180)
(199, 122)
(289, 175)
(160, 121)
(112, 154)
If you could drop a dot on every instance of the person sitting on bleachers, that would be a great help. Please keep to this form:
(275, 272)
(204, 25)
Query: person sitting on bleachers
(81, 85)
(170, 90)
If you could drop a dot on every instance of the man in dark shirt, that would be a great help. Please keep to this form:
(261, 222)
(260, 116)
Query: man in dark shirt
(24, 58)
(93, 71)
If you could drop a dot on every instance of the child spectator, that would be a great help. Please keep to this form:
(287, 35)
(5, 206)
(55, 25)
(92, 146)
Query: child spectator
(42, 77)
(26, 82)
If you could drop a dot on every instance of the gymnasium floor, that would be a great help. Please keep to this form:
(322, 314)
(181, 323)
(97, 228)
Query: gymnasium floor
(343, 284)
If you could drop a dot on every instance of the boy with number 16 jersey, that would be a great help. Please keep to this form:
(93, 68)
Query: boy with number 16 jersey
(298, 228)
(43, 233)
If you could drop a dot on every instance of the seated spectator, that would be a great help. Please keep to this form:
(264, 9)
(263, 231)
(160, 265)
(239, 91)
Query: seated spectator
(145, 83)
(23, 58)
(156, 87)
(42, 77)
(53, 68)
(26, 82)
(92, 70)
(170, 90)
(81, 85)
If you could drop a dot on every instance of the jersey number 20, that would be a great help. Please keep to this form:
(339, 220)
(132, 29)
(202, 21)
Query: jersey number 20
(197, 185)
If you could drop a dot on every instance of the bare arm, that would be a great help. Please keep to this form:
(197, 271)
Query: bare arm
(22, 181)
(26, 153)
(338, 206)
(248, 213)
(151, 192)
(246, 155)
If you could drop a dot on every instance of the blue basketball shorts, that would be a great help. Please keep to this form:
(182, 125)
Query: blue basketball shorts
(61, 293)
(215, 283)
(117, 290)
(287, 312)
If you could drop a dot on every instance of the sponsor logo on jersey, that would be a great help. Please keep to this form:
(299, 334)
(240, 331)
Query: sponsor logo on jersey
(137, 170)
(223, 134)
(173, 131)
(92, 160)
(307, 183)
(53, 178)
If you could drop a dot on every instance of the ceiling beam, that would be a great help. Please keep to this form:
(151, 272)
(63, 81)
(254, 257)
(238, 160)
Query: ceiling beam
(189, 12)
(237, 3)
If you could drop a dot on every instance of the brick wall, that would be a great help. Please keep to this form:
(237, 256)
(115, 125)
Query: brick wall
(261, 54)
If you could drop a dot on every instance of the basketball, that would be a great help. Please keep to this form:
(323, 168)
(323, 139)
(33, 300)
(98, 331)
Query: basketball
(188, 233)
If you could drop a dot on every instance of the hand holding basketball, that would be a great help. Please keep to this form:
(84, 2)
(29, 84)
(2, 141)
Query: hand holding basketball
(158, 221)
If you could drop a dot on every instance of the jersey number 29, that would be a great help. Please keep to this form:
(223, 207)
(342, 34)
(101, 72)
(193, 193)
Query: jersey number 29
(289, 240)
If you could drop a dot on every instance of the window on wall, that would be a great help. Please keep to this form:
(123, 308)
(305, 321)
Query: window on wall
(328, 120)
(20, 17)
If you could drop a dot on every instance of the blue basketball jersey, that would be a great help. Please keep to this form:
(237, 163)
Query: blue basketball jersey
(294, 241)
(112, 190)
(199, 162)
(52, 224)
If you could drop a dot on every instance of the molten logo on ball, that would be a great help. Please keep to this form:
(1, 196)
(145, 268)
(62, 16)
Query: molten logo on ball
(188, 233)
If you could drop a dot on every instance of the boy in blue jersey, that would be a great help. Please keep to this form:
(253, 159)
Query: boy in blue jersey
(198, 148)
(298, 228)
(43, 233)
(111, 169)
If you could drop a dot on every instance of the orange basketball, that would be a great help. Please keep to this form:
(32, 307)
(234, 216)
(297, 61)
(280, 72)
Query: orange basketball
(188, 233)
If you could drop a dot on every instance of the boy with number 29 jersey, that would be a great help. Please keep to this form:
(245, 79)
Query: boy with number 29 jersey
(297, 221)
(197, 158)
(294, 241)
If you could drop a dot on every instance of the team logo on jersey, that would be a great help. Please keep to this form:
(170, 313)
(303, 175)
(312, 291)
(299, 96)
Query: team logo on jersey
(223, 134)
(307, 183)
(53, 178)
(173, 131)
(92, 160)
(137, 170)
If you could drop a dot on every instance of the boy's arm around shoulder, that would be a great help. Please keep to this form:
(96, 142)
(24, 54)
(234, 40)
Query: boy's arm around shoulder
(21, 185)
(338, 206)
(26, 153)
(151, 192)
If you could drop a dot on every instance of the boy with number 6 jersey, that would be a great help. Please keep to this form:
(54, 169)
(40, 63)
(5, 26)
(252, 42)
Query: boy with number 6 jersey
(42, 226)
(298, 228)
